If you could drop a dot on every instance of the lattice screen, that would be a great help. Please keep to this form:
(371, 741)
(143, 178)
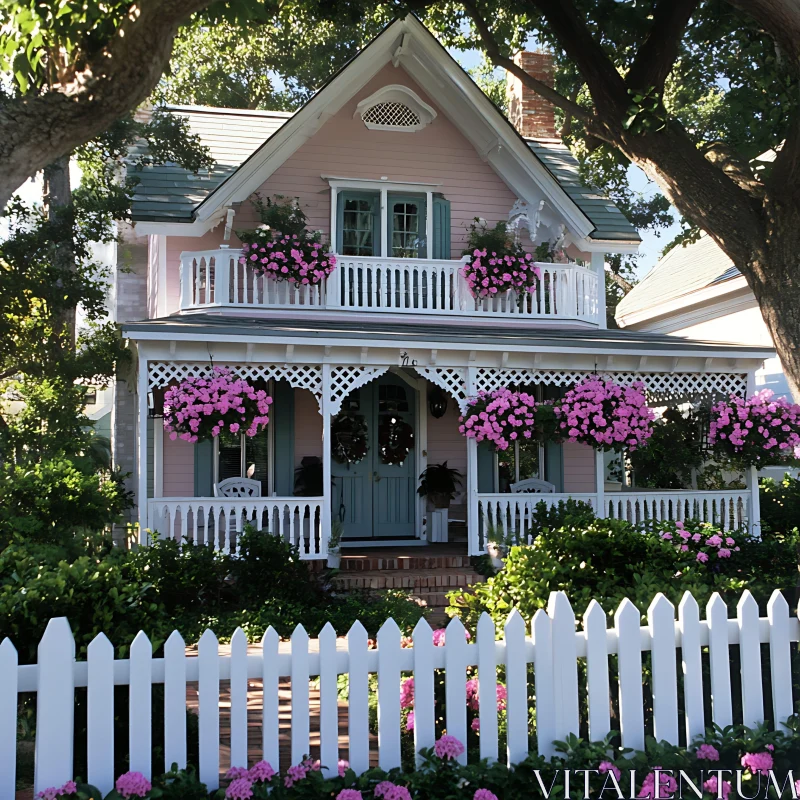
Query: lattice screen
(391, 114)
(451, 379)
(299, 376)
(345, 379)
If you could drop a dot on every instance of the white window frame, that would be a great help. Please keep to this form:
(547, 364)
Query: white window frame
(383, 188)
(243, 451)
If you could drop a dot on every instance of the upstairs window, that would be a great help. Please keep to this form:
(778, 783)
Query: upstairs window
(395, 108)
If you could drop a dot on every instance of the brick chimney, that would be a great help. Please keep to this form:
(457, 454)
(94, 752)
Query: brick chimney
(529, 112)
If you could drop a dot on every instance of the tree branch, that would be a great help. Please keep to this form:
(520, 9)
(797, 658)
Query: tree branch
(626, 286)
(722, 155)
(37, 129)
(780, 19)
(500, 60)
(657, 55)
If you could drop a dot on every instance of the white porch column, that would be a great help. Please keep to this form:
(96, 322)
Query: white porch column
(751, 478)
(472, 480)
(599, 268)
(141, 455)
(158, 457)
(600, 483)
(325, 520)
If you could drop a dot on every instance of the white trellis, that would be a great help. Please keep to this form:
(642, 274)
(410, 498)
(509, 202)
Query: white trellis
(452, 380)
(551, 642)
(346, 379)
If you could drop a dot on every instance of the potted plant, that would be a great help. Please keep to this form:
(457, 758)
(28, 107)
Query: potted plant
(334, 544)
(439, 484)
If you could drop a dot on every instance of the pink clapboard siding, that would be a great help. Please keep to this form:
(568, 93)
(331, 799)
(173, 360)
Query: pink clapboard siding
(307, 426)
(345, 147)
(178, 468)
(579, 462)
(445, 443)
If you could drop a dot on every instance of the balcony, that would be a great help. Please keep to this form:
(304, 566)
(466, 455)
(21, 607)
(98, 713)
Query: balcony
(215, 280)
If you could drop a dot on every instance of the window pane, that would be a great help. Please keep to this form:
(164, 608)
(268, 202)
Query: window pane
(256, 451)
(230, 455)
(357, 227)
(406, 242)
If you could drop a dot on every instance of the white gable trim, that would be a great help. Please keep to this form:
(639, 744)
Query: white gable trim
(427, 62)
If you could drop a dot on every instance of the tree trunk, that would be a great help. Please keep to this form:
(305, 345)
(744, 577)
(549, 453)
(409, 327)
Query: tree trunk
(57, 196)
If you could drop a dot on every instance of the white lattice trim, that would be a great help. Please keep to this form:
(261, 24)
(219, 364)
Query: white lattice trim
(451, 379)
(299, 376)
(663, 386)
(345, 379)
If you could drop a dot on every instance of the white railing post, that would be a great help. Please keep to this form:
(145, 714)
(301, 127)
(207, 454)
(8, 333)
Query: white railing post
(325, 513)
(222, 277)
(55, 706)
(186, 275)
(141, 499)
(473, 521)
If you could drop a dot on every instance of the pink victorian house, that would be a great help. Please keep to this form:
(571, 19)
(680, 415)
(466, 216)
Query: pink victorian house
(392, 160)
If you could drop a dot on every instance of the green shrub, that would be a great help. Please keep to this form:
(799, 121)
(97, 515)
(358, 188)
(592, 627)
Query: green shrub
(51, 500)
(780, 504)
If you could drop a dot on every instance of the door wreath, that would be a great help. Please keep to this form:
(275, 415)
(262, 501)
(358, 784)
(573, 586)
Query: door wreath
(349, 438)
(395, 440)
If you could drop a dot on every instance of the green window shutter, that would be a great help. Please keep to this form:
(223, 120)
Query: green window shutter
(553, 454)
(282, 420)
(441, 227)
(204, 469)
(485, 468)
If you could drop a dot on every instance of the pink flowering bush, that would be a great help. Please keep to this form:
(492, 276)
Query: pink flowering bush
(69, 788)
(489, 273)
(699, 542)
(758, 431)
(605, 415)
(205, 406)
(500, 417)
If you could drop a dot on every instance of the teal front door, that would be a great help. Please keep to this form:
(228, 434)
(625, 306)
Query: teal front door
(375, 499)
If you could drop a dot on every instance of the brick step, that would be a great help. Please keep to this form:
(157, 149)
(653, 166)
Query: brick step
(417, 579)
(372, 562)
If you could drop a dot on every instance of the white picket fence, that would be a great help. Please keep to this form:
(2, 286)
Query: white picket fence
(552, 645)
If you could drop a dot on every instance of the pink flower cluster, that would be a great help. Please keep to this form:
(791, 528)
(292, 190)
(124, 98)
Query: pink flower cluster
(299, 771)
(707, 752)
(758, 762)
(605, 415)
(500, 417)
(606, 766)
(704, 541)
(70, 787)
(712, 787)
(473, 700)
(667, 786)
(200, 407)
(242, 779)
(133, 784)
(448, 747)
(760, 430)
(296, 259)
(484, 794)
(391, 791)
(488, 274)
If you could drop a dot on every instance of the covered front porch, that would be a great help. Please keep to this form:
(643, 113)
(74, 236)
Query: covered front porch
(373, 499)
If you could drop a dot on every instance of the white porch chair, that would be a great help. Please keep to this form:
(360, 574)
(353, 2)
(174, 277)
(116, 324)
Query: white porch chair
(533, 486)
(240, 489)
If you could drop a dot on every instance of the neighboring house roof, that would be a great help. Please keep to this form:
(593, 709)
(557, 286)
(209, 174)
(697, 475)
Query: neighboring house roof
(169, 194)
(676, 280)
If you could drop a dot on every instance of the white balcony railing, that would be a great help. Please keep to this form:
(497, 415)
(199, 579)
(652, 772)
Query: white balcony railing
(217, 521)
(216, 279)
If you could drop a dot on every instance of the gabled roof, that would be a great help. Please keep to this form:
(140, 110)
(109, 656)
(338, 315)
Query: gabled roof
(533, 170)
(676, 280)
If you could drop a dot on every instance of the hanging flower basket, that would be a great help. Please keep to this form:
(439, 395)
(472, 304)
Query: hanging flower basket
(202, 407)
(759, 431)
(296, 258)
(605, 415)
(492, 273)
(500, 417)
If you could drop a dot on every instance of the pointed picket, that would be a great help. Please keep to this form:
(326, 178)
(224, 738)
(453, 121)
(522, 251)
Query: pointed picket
(692, 663)
(750, 660)
(175, 701)
(358, 698)
(487, 692)
(270, 746)
(140, 702)
(780, 659)
(208, 708)
(55, 706)
(328, 701)
(661, 622)
(8, 717)
(238, 699)
(300, 705)
(629, 647)
(517, 688)
(565, 664)
(424, 716)
(544, 683)
(389, 695)
(598, 700)
(100, 714)
(455, 679)
(719, 661)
